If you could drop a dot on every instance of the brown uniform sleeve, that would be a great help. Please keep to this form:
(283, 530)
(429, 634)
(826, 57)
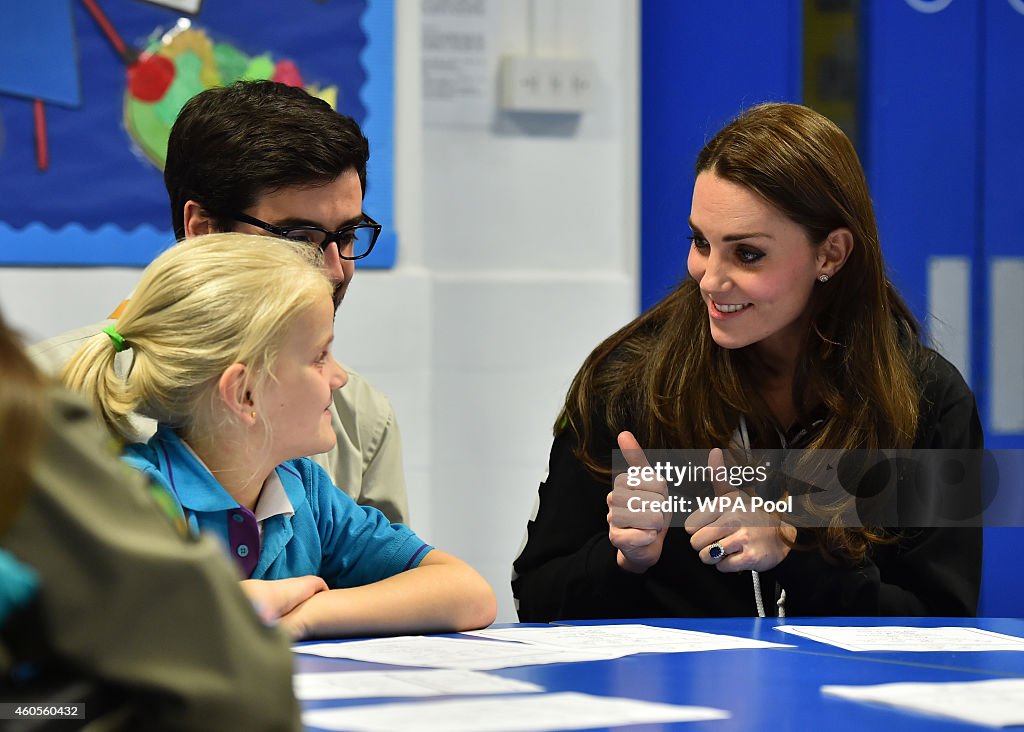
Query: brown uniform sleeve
(126, 600)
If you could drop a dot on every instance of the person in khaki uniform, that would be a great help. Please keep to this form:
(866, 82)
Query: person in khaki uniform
(265, 158)
(100, 585)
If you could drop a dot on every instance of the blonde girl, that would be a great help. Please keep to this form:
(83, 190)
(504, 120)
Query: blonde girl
(230, 340)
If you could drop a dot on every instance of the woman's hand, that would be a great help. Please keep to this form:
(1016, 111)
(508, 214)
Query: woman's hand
(275, 599)
(750, 539)
(635, 526)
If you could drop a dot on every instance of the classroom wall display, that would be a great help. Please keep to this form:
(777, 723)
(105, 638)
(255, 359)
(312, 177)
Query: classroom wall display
(90, 88)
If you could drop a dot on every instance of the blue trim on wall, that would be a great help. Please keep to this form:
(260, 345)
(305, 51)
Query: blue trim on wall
(378, 95)
(107, 246)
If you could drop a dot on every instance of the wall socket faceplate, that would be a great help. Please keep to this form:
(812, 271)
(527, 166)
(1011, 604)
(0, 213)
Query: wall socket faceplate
(537, 84)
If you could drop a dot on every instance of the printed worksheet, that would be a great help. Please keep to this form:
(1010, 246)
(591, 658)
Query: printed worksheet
(994, 702)
(435, 682)
(454, 653)
(631, 638)
(507, 714)
(896, 638)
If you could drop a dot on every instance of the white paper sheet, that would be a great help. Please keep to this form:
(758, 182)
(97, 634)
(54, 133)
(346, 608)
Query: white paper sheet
(895, 638)
(435, 682)
(459, 48)
(454, 653)
(994, 702)
(508, 714)
(631, 638)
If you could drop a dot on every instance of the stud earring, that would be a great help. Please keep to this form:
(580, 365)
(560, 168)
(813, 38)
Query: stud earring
(821, 278)
(252, 414)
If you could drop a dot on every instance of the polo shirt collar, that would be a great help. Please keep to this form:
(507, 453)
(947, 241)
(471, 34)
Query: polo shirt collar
(294, 489)
(191, 481)
(274, 499)
(197, 490)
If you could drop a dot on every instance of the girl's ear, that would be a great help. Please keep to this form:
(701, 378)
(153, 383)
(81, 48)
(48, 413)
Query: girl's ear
(834, 252)
(234, 393)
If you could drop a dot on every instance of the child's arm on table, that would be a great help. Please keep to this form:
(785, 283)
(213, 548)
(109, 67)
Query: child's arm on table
(441, 595)
(276, 598)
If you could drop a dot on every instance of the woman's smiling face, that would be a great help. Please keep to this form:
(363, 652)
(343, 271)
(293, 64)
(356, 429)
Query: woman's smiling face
(756, 268)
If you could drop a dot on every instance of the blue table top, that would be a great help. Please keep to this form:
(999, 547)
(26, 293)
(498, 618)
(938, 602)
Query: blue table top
(776, 689)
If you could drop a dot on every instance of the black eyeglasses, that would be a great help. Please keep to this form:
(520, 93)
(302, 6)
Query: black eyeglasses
(354, 241)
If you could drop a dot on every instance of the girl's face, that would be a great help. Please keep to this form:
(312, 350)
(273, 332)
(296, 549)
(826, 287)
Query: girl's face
(756, 268)
(297, 403)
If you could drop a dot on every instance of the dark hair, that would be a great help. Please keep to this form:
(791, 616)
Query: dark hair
(230, 145)
(22, 394)
(664, 378)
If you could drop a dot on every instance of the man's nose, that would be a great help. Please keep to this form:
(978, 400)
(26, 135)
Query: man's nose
(332, 263)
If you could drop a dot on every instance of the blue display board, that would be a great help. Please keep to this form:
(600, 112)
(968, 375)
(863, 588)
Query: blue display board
(100, 200)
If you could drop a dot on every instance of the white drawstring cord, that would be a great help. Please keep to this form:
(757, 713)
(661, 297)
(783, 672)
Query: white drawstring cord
(758, 600)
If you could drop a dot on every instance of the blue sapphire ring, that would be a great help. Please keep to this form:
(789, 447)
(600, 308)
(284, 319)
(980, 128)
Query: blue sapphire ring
(716, 552)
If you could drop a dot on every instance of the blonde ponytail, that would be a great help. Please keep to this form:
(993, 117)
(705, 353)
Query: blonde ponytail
(201, 306)
(92, 372)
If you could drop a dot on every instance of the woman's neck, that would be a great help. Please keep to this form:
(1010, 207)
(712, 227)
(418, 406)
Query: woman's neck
(773, 371)
(780, 405)
(235, 465)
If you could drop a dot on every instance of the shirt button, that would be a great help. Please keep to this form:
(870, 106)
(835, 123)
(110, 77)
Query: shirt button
(237, 518)
(242, 551)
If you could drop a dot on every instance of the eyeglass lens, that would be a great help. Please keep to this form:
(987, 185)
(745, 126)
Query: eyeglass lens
(354, 242)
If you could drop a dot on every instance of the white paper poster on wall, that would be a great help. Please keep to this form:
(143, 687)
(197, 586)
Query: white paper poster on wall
(459, 62)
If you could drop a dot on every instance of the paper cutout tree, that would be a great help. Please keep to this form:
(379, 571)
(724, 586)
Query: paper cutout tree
(179, 65)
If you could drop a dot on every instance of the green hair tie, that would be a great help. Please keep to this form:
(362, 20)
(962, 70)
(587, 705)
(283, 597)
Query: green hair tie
(116, 338)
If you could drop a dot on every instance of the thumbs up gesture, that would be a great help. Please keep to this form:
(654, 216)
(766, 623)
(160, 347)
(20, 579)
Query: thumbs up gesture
(635, 527)
(735, 540)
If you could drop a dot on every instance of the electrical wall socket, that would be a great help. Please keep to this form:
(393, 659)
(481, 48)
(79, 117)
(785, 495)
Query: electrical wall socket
(559, 85)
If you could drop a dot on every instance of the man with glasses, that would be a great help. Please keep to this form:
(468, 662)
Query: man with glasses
(266, 158)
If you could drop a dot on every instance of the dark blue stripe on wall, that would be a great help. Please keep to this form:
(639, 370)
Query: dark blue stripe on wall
(920, 119)
(701, 63)
(1002, 154)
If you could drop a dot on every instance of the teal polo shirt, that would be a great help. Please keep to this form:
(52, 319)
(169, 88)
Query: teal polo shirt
(328, 534)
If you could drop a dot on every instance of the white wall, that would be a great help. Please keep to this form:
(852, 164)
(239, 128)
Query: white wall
(518, 254)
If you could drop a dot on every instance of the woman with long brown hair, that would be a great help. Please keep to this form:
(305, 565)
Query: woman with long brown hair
(787, 334)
